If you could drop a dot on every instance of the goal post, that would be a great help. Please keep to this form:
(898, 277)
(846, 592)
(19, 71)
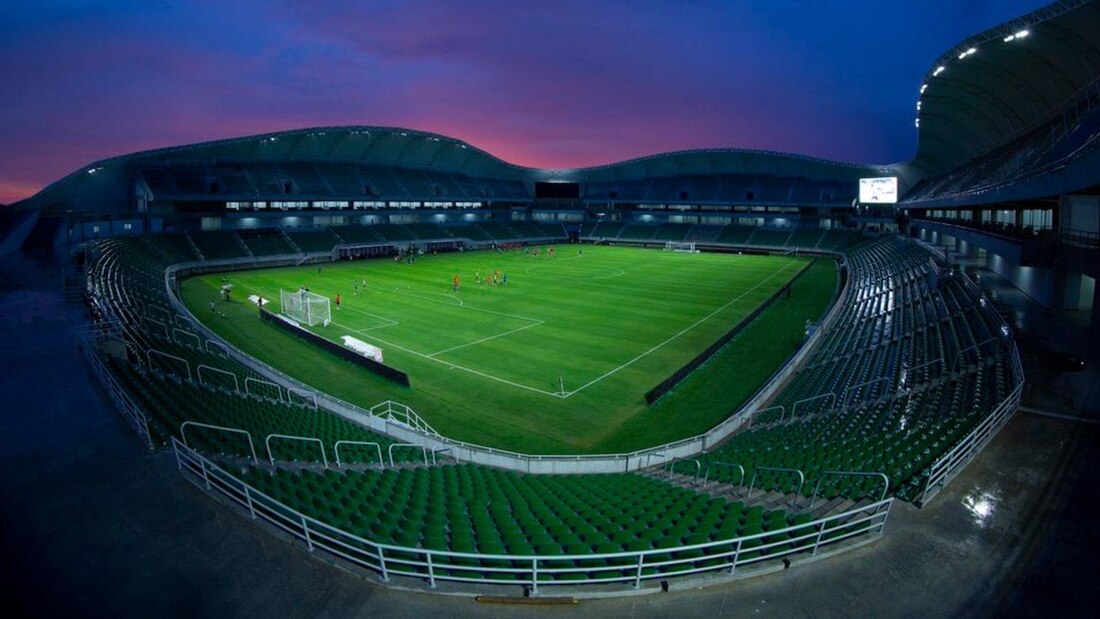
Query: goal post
(305, 307)
(680, 246)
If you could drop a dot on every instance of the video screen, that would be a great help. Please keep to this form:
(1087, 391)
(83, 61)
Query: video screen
(882, 190)
(548, 189)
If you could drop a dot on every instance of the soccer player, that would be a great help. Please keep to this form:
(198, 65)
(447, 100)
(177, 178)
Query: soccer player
(355, 288)
(505, 279)
(496, 277)
(337, 300)
(550, 252)
(454, 283)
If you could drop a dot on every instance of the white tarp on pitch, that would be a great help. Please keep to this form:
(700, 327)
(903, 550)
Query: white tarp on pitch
(369, 351)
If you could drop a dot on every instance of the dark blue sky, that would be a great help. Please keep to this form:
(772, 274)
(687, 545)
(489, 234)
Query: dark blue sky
(550, 84)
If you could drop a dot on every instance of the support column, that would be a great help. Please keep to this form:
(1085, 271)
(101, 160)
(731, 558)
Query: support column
(1067, 288)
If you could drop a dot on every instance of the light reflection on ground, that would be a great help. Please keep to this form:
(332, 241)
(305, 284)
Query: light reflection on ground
(982, 505)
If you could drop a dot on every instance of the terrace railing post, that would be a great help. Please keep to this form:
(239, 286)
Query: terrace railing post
(535, 576)
(820, 533)
(205, 477)
(305, 531)
(248, 497)
(736, 555)
(638, 573)
(382, 565)
(431, 572)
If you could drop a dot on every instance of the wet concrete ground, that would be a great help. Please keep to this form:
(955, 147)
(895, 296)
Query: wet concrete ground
(92, 525)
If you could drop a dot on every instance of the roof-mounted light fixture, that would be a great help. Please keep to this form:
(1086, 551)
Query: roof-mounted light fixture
(939, 69)
(923, 87)
(1019, 35)
(969, 52)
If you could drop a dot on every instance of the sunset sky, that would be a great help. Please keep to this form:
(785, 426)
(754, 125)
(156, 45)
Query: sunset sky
(550, 84)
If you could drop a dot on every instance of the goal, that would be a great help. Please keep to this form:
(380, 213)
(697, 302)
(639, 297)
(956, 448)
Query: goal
(681, 246)
(306, 307)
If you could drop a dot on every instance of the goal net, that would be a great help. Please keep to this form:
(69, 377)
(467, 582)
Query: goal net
(680, 246)
(305, 307)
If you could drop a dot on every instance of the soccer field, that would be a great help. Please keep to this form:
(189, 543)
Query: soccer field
(556, 361)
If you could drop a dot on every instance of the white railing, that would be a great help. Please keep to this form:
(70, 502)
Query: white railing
(628, 568)
(401, 413)
(954, 461)
(130, 411)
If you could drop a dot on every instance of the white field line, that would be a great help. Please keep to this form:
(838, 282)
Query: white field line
(457, 366)
(390, 322)
(486, 339)
(681, 332)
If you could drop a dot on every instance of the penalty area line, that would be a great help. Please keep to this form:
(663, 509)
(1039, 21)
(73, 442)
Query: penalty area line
(678, 334)
(486, 339)
(459, 367)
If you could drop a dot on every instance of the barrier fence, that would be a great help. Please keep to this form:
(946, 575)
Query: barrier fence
(629, 568)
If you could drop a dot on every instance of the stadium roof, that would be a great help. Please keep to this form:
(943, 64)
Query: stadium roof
(724, 161)
(997, 85)
(986, 91)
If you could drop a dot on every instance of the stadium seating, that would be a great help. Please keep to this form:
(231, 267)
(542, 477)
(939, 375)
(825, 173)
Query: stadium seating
(214, 245)
(770, 237)
(357, 234)
(913, 362)
(313, 240)
(637, 232)
(469, 508)
(736, 235)
(266, 242)
(907, 370)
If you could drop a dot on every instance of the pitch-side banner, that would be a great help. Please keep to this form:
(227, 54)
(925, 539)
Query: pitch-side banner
(369, 351)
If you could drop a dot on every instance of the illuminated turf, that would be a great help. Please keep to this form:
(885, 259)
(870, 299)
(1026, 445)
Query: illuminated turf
(558, 360)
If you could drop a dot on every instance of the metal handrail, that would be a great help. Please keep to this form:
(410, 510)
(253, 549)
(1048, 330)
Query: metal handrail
(336, 448)
(302, 393)
(667, 466)
(218, 345)
(210, 426)
(186, 363)
(959, 353)
(250, 379)
(623, 567)
(776, 469)
(167, 332)
(756, 414)
(177, 330)
(291, 437)
(741, 481)
(200, 368)
(844, 401)
(794, 407)
(422, 449)
(817, 487)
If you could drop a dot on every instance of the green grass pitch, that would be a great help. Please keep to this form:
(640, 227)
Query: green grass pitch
(558, 360)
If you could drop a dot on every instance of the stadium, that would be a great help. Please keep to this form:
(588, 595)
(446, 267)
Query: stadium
(387, 359)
